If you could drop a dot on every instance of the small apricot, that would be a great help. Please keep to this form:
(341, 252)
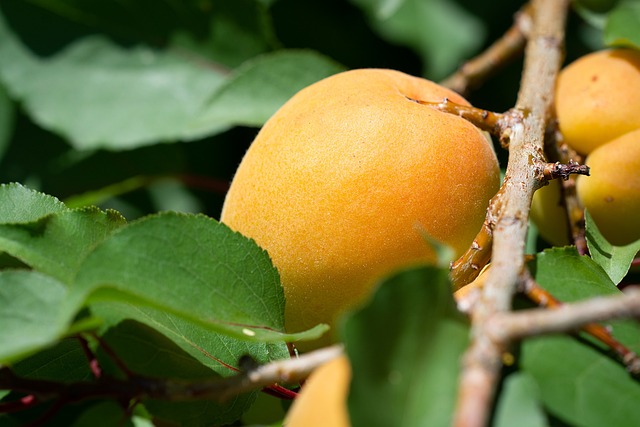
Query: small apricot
(612, 193)
(598, 98)
(548, 214)
(323, 399)
(341, 184)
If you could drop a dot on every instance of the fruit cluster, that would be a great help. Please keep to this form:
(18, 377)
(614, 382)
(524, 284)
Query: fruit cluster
(598, 110)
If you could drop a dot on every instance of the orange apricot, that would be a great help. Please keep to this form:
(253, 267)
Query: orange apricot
(598, 98)
(341, 184)
(323, 399)
(612, 193)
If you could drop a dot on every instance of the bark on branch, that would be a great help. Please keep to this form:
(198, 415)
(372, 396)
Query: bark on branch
(482, 360)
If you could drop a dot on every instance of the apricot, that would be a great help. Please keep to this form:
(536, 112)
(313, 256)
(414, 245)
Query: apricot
(323, 398)
(612, 193)
(341, 184)
(548, 214)
(598, 98)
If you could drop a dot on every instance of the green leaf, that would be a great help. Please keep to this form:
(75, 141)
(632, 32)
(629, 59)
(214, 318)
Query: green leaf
(31, 313)
(193, 267)
(104, 414)
(58, 243)
(147, 352)
(615, 260)
(215, 351)
(405, 348)
(623, 25)
(259, 87)
(21, 205)
(99, 95)
(65, 361)
(519, 403)
(579, 383)
(426, 27)
(238, 31)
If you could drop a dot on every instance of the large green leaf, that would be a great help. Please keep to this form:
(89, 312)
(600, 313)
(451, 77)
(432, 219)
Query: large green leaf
(440, 31)
(623, 25)
(99, 95)
(193, 267)
(578, 381)
(580, 385)
(257, 89)
(65, 361)
(31, 313)
(405, 348)
(615, 260)
(215, 351)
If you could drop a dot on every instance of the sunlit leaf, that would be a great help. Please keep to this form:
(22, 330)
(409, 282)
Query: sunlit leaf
(257, 89)
(99, 95)
(193, 267)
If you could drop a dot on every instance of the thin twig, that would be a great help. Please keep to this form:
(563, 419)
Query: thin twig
(544, 298)
(140, 387)
(504, 50)
(507, 327)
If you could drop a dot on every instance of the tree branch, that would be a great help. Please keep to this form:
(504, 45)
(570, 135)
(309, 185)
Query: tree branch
(508, 327)
(482, 360)
(502, 51)
(139, 387)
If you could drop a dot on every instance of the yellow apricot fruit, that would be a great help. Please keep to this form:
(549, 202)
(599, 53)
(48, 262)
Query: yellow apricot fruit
(323, 398)
(548, 214)
(341, 184)
(598, 98)
(612, 193)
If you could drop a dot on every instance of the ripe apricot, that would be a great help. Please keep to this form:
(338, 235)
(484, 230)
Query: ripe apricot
(598, 98)
(340, 183)
(612, 193)
(323, 399)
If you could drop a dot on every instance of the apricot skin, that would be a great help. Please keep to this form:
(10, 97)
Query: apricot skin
(612, 193)
(598, 98)
(339, 183)
(323, 398)
(548, 214)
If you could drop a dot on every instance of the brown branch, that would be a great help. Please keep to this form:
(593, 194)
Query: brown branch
(467, 268)
(508, 327)
(504, 50)
(557, 151)
(494, 123)
(563, 170)
(544, 298)
(483, 359)
(136, 387)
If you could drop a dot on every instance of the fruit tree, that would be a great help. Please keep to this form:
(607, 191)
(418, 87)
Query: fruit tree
(320, 213)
